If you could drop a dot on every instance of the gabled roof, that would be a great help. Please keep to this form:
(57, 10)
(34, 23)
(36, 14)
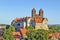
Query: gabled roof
(16, 33)
(54, 35)
(23, 31)
(38, 20)
(17, 19)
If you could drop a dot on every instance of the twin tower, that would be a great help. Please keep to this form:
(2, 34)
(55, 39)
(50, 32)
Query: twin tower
(34, 15)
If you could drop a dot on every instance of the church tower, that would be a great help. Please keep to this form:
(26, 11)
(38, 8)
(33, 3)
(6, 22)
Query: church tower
(33, 12)
(41, 13)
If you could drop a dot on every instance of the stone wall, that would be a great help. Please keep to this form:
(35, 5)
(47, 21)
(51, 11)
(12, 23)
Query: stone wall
(43, 25)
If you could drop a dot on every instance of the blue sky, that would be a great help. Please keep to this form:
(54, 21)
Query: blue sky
(10, 9)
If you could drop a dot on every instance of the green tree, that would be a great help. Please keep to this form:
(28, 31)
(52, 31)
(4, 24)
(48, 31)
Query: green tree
(7, 35)
(54, 28)
(39, 34)
(11, 29)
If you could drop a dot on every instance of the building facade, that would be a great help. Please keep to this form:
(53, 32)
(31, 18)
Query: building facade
(36, 20)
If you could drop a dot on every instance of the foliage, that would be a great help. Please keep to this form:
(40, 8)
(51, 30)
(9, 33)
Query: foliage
(54, 28)
(7, 26)
(39, 34)
(7, 35)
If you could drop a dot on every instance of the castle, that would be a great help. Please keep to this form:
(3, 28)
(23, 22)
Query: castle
(34, 15)
(36, 20)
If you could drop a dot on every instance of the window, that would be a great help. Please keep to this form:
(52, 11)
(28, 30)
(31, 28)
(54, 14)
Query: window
(18, 24)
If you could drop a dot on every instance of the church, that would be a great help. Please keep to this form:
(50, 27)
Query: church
(36, 20)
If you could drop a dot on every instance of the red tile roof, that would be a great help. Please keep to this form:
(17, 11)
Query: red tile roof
(16, 33)
(54, 35)
(38, 20)
(17, 19)
(23, 31)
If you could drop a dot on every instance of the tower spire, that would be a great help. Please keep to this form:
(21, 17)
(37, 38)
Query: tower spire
(41, 12)
(33, 12)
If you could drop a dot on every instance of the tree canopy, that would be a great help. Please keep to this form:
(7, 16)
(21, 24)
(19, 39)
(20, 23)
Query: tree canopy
(55, 28)
(39, 34)
(7, 35)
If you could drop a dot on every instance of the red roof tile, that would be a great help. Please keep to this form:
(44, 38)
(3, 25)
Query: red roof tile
(17, 19)
(54, 35)
(23, 31)
(16, 33)
(51, 34)
(38, 20)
